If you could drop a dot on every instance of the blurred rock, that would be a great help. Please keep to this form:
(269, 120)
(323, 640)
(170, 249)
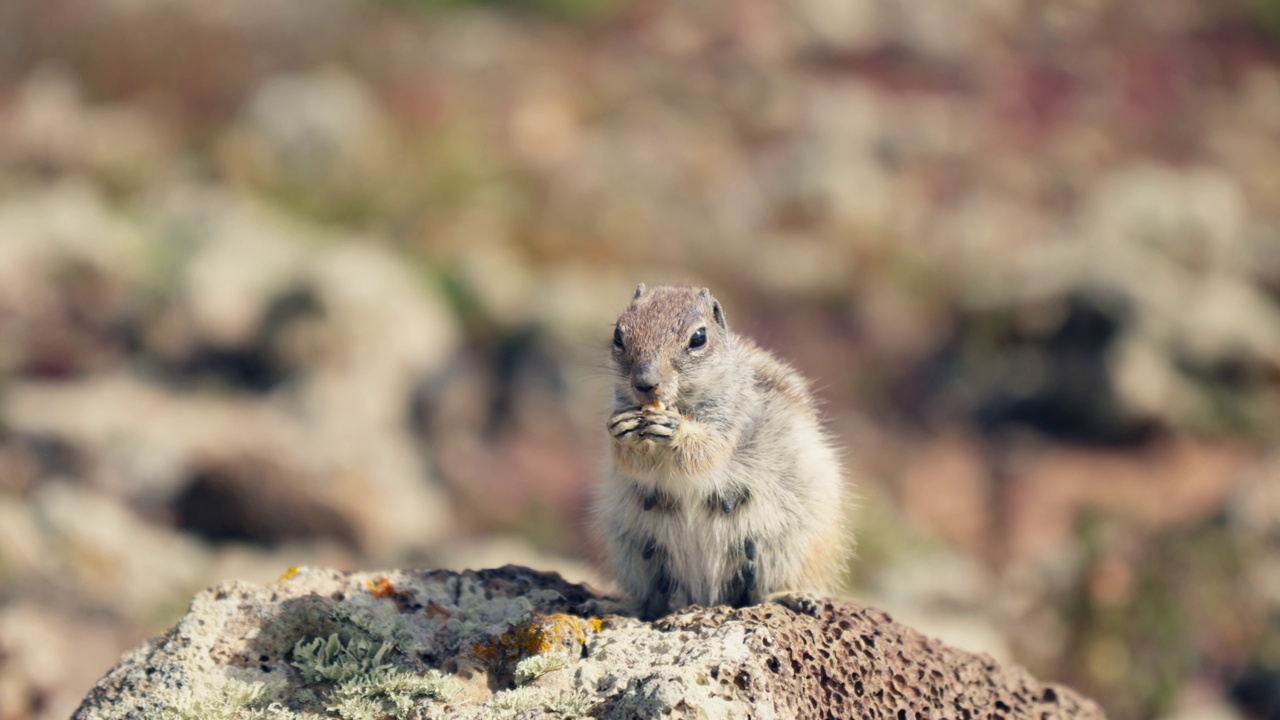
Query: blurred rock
(1257, 693)
(103, 550)
(51, 127)
(491, 550)
(384, 331)
(353, 358)
(81, 574)
(1076, 349)
(252, 500)
(24, 546)
(946, 595)
(68, 267)
(49, 655)
(321, 132)
(151, 445)
(1212, 711)
(1190, 218)
(239, 254)
(1254, 513)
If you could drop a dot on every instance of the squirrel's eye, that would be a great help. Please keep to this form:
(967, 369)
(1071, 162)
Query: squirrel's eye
(617, 336)
(699, 338)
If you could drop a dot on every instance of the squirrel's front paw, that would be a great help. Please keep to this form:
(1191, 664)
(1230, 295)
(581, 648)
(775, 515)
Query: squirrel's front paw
(658, 425)
(625, 423)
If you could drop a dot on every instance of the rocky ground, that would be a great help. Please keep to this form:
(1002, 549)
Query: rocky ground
(515, 643)
(328, 282)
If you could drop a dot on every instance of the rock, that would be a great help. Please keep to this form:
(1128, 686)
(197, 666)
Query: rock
(321, 130)
(239, 253)
(67, 264)
(515, 642)
(254, 499)
(47, 650)
(77, 541)
(53, 125)
(158, 447)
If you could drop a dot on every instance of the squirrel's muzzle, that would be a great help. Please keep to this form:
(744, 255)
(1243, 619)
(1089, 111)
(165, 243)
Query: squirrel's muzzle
(646, 380)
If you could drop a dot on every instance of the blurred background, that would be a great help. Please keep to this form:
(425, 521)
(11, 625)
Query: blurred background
(332, 282)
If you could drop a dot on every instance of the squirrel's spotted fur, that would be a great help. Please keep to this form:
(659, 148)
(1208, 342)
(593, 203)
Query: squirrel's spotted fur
(722, 486)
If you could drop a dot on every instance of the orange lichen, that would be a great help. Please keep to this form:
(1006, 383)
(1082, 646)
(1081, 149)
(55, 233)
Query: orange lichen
(537, 635)
(293, 570)
(383, 588)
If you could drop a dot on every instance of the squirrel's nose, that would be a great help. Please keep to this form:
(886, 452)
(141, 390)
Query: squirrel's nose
(645, 379)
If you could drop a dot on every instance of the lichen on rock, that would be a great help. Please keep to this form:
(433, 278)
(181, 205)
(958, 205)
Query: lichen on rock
(514, 642)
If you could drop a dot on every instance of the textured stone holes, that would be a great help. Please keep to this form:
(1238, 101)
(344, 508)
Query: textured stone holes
(1050, 696)
(743, 680)
(858, 689)
(773, 664)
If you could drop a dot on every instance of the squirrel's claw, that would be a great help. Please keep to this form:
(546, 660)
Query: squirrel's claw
(799, 602)
(625, 422)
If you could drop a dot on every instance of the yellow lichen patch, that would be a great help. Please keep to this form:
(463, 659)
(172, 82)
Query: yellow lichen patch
(381, 587)
(536, 635)
(293, 570)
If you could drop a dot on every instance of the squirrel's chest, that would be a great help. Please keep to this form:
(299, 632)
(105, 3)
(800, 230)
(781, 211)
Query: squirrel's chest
(695, 519)
(701, 539)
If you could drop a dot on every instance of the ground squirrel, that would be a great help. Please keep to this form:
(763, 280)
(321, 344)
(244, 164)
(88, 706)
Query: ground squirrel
(722, 486)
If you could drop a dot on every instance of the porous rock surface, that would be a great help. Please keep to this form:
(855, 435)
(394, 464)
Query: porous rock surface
(515, 642)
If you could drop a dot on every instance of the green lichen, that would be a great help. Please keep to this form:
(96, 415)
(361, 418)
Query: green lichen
(352, 657)
(304, 618)
(559, 703)
(234, 700)
(366, 684)
(390, 690)
(535, 665)
(331, 660)
(378, 622)
(319, 617)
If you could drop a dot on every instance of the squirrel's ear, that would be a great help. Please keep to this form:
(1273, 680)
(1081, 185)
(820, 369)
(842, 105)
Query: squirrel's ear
(718, 314)
(639, 292)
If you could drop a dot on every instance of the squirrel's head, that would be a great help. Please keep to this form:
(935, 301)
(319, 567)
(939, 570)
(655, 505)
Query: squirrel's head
(669, 346)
